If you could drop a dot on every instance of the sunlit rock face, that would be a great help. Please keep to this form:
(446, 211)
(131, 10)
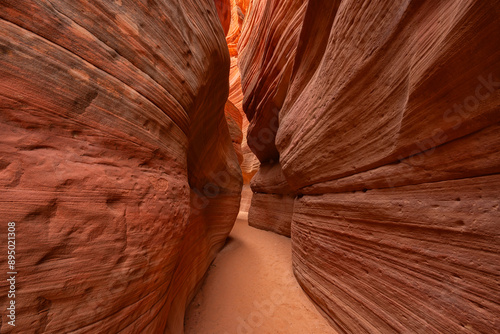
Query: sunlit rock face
(387, 138)
(116, 161)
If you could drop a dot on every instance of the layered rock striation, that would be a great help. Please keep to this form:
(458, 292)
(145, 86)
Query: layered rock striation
(237, 120)
(386, 139)
(116, 160)
(266, 65)
(248, 162)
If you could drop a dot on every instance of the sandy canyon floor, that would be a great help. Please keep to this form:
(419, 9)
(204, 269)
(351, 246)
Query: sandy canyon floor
(250, 288)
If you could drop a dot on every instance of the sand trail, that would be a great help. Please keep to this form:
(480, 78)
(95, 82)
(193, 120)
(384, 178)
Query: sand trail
(250, 288)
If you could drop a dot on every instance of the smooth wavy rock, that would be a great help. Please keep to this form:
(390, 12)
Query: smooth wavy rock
(116, 161)
(224, 13)
(404, 82)
(266, 64)
(235, 122)
(248, 162)
(266, 49)
(388, 136)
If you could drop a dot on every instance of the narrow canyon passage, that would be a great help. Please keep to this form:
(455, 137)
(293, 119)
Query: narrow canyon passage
(250, 288)
(365, 135)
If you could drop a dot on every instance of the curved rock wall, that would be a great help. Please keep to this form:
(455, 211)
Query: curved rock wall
(267, 48)
(248, 162)
(388, 140)
(116, 161)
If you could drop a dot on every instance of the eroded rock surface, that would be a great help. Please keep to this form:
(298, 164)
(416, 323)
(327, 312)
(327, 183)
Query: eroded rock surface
(381, 120)
(116, 160)
(248, 161)
(266, 64)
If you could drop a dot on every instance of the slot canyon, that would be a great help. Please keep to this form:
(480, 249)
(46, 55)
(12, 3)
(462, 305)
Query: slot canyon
(183, 166)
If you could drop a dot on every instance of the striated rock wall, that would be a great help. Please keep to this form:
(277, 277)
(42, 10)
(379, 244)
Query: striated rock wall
(234, 122)
(388, 139)
(232, 14)
(248, 162)
(116, 161)
(266, 65)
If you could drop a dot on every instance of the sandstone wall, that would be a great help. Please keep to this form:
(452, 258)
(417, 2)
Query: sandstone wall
(387, 139)
(266, 57)
(248, 161)
(116, 161)
(246, 199)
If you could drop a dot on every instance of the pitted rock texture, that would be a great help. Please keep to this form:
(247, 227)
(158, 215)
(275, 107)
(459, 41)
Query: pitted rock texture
(116, 161)
(386, 135)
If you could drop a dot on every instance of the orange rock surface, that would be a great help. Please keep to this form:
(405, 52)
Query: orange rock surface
(126, 126)
(248, 162)
(116, 161)
(266, 64)
(382, 120)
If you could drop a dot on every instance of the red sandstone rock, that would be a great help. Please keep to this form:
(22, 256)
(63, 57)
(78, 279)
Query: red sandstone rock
(266, 65)
(270, 179)
(224, 12)
(388, 91)
(271, 212)
(389, 131)
(250, 164)
(116, 162)
(246, 198)
(419, 258)
(248, 161)
(272, 203)
(445, 162)
(234, 123)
